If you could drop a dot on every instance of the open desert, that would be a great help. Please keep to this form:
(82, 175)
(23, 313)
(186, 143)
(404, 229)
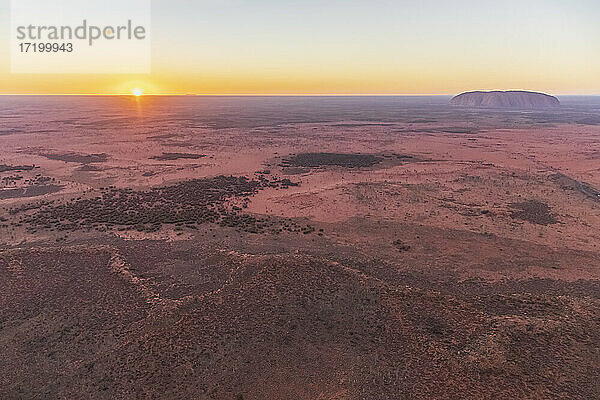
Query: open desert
(298, 248)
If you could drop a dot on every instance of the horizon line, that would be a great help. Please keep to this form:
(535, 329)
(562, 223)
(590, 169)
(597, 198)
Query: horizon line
(259, 94)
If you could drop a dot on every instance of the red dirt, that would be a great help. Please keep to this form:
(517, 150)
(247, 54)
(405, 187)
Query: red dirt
(419, 261)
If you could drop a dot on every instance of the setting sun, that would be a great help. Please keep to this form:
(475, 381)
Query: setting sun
(137, 92)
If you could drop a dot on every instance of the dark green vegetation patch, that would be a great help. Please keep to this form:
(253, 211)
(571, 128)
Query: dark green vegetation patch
(186, 204)
(347, 160)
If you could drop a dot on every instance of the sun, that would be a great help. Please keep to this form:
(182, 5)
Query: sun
(137, 92)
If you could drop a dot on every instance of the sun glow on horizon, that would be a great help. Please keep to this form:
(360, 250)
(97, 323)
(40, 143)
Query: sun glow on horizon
(394, 48)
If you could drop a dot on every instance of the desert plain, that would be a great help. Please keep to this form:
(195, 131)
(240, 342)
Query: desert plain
(298, 248)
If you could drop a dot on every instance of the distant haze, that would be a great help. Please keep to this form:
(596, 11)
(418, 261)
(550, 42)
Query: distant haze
(351, 47)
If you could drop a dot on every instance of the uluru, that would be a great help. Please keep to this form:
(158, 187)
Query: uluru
(512, 99)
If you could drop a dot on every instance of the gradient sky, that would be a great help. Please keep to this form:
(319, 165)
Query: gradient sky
(351, 47)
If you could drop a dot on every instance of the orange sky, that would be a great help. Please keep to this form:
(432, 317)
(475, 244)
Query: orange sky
(351, 47)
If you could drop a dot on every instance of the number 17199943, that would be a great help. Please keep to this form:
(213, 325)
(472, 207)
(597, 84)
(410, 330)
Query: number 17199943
(46, 47)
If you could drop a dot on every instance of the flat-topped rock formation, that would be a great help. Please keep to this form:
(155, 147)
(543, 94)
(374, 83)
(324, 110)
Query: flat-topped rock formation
(513, 99)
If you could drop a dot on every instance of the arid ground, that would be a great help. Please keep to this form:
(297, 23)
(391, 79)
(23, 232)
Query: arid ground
(298, 248)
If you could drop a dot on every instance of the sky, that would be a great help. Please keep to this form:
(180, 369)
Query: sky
(349, 47)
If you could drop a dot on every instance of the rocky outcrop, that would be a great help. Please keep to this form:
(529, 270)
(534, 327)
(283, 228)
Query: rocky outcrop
(512, 99)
